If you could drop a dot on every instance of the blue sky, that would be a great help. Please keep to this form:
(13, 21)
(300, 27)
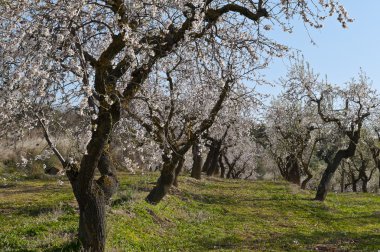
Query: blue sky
(339, 53)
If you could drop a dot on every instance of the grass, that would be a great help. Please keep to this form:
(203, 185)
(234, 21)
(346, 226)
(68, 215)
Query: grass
(211, 214)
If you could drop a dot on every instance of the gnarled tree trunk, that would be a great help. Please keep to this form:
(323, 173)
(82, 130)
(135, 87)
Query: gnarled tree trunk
(364, 186)
(306, 180)
(197, 161)
(293, 170)
(93, 195)
(214, 165)
(333, 165)
(178, 170)
(208, 161)
(92, 224)
(165, 181)
(222, 166)
(342, 180)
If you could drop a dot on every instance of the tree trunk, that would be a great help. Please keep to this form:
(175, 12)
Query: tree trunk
(164, 182)
(108, 181)
(293, 170)
(214, 164)
(229, 173)
(222, 167)
(197, 161)
(209, 157)
(354, 185)
(230, 166)
(354, 181)
(217, 167)
(306, 165)
(364, 186)
(333, 165)
(92, 200)
(326, 179)
(305, 181)
(178, 170)
(92, 222)
(92, 195)
(342, 180)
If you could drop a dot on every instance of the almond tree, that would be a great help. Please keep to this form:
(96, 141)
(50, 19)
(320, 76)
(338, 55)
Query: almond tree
(343, 110)
(360, 168)
(239, 155)
(94, 56)
(292, 134)
(176, 118)
(232, 151)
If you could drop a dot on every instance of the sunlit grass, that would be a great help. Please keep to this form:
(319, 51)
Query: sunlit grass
(211, 214)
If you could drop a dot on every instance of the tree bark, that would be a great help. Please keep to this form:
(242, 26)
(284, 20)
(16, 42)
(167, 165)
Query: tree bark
(178, 170)
(306, 180)
(164, 182)
(209, 157)
(92, 222)
(293, 170)
(197, 161)
(354, 183)
(92, 195)
(333, 165)
(342, 180)
(92, 202)
(214, 165)
(306, 165)
(327, 176)
(364, 186)
(222, 166)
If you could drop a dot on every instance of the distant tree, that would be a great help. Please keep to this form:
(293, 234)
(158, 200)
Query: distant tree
(372, 141)
(343, 111)
(352, 176)
(292, 133)
(177, 109)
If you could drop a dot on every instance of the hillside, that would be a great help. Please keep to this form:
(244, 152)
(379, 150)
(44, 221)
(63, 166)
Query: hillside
(212, 214)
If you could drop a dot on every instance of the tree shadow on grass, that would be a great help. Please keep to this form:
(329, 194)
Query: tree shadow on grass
(315, 241)
(37, 210)
(33, 189)
(209, 198)
(71, 246)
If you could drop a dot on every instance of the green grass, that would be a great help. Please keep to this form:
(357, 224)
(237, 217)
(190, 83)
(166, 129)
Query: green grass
(211, 214)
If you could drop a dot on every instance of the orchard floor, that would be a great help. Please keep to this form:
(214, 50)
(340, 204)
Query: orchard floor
(211, 214)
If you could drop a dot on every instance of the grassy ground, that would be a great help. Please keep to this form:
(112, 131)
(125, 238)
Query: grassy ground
(211, 214)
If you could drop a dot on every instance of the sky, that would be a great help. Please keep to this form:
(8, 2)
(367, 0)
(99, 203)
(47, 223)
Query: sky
(339, 53)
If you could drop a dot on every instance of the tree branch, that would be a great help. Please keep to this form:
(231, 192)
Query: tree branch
(50, 143)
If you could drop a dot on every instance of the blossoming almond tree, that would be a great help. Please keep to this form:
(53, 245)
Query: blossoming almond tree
(177, 107)
(95, 55)
(230, 136)
(293, 130)
(343, 111)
